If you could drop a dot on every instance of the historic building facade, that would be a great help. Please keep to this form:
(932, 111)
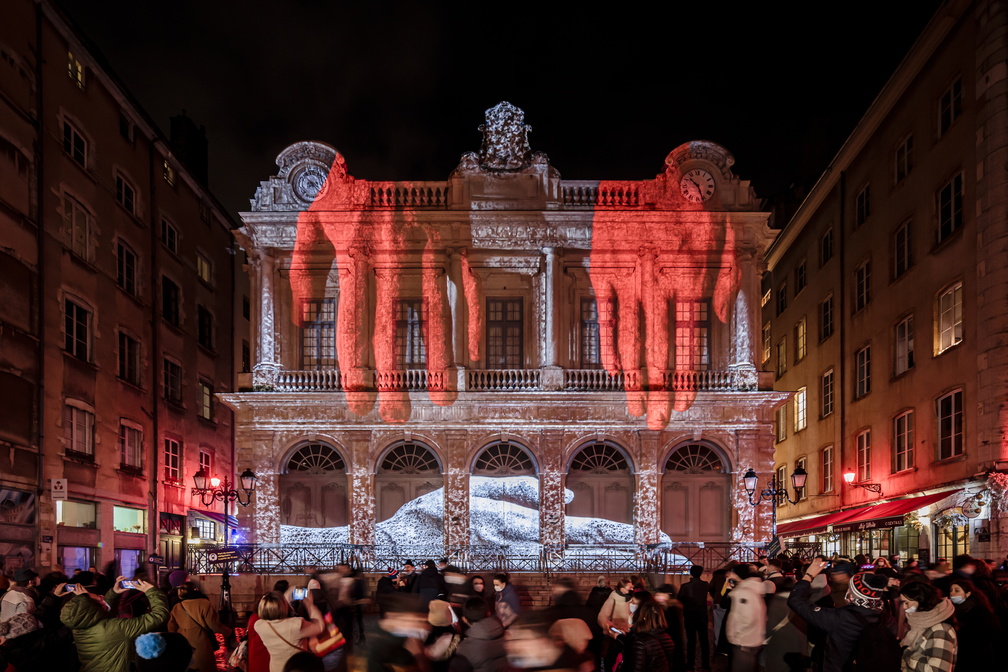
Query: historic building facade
(119, 292)
(885, 309)
(598, 337)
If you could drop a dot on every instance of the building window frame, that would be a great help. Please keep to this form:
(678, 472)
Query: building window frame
(826, 247)
(78, 329)
(204, 269)
(862, 443)
(950, 424)
(131, 448)
(903, 359)
(949, 318)
(171, 301)
(128, 369)
(75, 143)
(204, 327)
(950, 105)
(169, 236)
(172, 454)
(505, 332)
(206, 400)
(172, 381)
(949, 207)
(800, 409)
(78, 226)
(826, 462)
(781, 357)
(826, 381)
(862, 372)
(903, 252)
(76, 70)
(826, 325)
(79, 429)
(782, 298)
(903, 441)
(780, 423)
(862, 285)
(801, 339)
(767, 342)
(125, 193)
(692, 335)
(862, 206)
(800, 277)
(903, 159)
(318, 333)
(802, 492)
(410, 344)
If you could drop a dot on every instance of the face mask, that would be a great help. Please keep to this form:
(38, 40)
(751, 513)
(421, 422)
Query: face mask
(958, 599)
(633, 607)
(910, 610)
(498, 588)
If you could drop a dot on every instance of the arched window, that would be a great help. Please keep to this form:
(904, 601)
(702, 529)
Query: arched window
(504, 459)
(315, 458)
(599, 458)
(694, 458)
(410, 458)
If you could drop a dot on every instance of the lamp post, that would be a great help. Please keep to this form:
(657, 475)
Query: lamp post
(226, 493)
(849, 477)
(774, 491)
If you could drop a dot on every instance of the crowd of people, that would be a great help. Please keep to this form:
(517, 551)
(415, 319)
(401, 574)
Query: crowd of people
(774, 615)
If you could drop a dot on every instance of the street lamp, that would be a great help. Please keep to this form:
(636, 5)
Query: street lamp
(775, 491)
(849, 476)
(226, 493)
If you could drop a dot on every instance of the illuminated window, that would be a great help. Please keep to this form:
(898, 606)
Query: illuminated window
(781, 298)
(169, 236)
(781, 482)
(950, 424)
(862, 285)
(826, 247)
(826, 388)
(800, 408)
(130, 445)
(74, 144)
(800, 339)
(204, 327)
(206, 529)
(76, 228)
(780, 424)
(411, 352)
(950, 317)
(826, 318)
(78, 430)
(862, 206)
(125, 519)
(826, 459)
(904, 345)
(318, 334)
(206, 461)
(129, 359)
(77, 330)
(505, 327)
(76, 514)
(903, 254)
(903, 441)
(171, 299)
(591, 337)
(169, 173)
(950, 106)
(950, 207)
(862, 372)
(864, 455)
(781, 357)
(125, 194)
(800, 277)
(172, 461)
(692, 336)
(767, 344)
(800, 493)
(173, 382)
(903, 158)
(206, 405)
(75, 69)
(204, 269)
(126, 268)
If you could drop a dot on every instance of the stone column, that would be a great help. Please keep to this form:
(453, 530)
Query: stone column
(362, 489)
(646, 509)
(262, 451)
(457, 307)
(755, 449)
(552, 374)
(456, 482)
(267, 366)
(551, 490)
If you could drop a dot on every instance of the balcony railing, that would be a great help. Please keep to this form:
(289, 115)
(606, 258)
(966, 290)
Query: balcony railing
(590, 380)
(681, 381)
(322, 380)
(504, 379)
(410, 379)
(408, 195)
(612, 194)
(675, 558)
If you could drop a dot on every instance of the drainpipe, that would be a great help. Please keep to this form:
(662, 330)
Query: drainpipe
(41, 293)
(153, 518)
(841, 321)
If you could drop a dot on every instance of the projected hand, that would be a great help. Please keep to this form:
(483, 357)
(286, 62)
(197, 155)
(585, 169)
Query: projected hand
(641, 267)
(387, 244)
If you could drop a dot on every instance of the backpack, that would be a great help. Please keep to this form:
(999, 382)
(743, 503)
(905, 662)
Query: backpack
(877, 649)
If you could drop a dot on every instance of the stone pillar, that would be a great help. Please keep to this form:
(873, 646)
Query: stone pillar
(551, 489)
(646, 509)
(456, 488)
(267, 366)
(262, 516)
(552, 375)
(362, 489)
(457, 307)
(755, 449)
(746, 329)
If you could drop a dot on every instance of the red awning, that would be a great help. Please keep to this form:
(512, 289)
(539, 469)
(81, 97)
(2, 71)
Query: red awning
(870, 516)
(889, 514)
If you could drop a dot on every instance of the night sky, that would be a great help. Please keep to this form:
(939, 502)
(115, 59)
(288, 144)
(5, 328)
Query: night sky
(400, 88)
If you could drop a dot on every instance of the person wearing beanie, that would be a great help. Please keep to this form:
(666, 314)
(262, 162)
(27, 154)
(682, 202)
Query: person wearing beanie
(103, 640)
(162, 652)
(196, 619)
(842, 625)
(931, 642)
(444, 636)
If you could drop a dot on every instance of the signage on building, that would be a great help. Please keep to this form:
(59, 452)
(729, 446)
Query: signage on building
(155, 559)
(222, 556)
(46, 539)
(983, 534)
(59, 488)
(774, 547)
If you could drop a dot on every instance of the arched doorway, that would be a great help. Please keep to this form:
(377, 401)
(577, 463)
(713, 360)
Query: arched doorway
(602, 482)
(695, 494)
(313, 487)
(504, 496)
(408, 470)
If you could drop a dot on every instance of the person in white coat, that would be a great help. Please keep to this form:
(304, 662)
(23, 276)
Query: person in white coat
(747, 618)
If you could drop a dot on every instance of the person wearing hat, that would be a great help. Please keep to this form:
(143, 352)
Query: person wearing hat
(407, 577)
(20, 597)
(843, 625)
(444, 636)
(196, 619)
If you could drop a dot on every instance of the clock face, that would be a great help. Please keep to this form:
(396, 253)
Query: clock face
(697, 185)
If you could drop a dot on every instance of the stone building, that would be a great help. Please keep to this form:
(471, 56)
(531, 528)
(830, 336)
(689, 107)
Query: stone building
(597, 336)
(117, 281)
(886, 306)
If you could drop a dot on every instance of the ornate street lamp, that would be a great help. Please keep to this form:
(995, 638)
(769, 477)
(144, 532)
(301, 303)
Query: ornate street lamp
(775, 491)
(226, 493)
(849, 477)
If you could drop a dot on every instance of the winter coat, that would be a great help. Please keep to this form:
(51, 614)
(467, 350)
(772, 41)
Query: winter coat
(978, 630)
(693, 595)
(430, 584)
(933, 651)
(841, 625)
(483, 647)
(196, 619)
(648, 652)
(16, 600)
(746, 620)
(507, 606)
(787, 645)
(258, 654)
(616, 610)
(104, 641)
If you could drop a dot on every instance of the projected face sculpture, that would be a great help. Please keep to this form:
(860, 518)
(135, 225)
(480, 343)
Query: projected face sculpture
(660, 274)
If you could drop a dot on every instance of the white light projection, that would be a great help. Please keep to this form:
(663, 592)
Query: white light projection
(504, 512)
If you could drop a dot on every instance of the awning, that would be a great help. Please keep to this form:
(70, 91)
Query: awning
(216, 517)
(870, 516)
